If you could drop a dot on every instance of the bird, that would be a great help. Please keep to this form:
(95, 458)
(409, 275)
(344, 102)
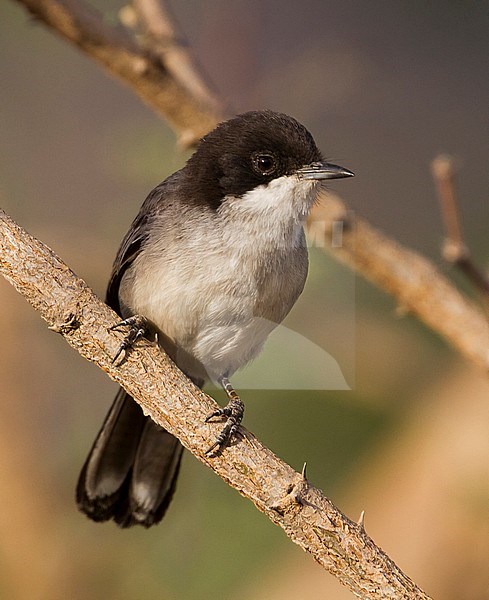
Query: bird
(212, 263)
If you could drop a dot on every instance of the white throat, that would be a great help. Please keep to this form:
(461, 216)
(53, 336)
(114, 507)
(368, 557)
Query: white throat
(273, 213)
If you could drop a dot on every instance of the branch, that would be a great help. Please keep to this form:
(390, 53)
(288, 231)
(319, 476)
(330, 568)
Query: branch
(454, 251)
(71, 308)
(165, 41)
(190, 114)
(411, 279)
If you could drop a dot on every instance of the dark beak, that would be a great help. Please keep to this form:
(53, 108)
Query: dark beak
(323, 170)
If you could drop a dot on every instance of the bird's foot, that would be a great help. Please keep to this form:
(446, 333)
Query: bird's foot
(138, 327)
(233, 411)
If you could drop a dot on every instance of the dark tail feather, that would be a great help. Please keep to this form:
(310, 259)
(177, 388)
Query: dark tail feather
(131, 471)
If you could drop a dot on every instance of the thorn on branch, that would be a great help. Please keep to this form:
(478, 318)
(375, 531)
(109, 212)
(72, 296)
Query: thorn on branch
(294, 496)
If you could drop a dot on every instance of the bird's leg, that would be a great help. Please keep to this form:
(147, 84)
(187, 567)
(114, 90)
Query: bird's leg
(138, 327)
(234, 411)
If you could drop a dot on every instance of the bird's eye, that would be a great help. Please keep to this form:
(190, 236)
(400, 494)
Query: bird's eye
(264, 163)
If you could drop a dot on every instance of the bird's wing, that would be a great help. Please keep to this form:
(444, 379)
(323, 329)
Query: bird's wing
(131, 246)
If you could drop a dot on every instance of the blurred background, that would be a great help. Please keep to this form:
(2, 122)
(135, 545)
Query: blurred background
(384, 87)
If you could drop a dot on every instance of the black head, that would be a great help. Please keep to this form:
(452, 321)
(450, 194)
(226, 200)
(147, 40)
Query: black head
(248, 151)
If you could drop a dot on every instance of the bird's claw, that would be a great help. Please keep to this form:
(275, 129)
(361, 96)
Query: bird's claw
(220, 412)
(137, 329)
(234, 412)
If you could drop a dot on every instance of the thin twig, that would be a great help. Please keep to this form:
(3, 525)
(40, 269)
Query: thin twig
(454, 250)
(69, 306)
(166, 41)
